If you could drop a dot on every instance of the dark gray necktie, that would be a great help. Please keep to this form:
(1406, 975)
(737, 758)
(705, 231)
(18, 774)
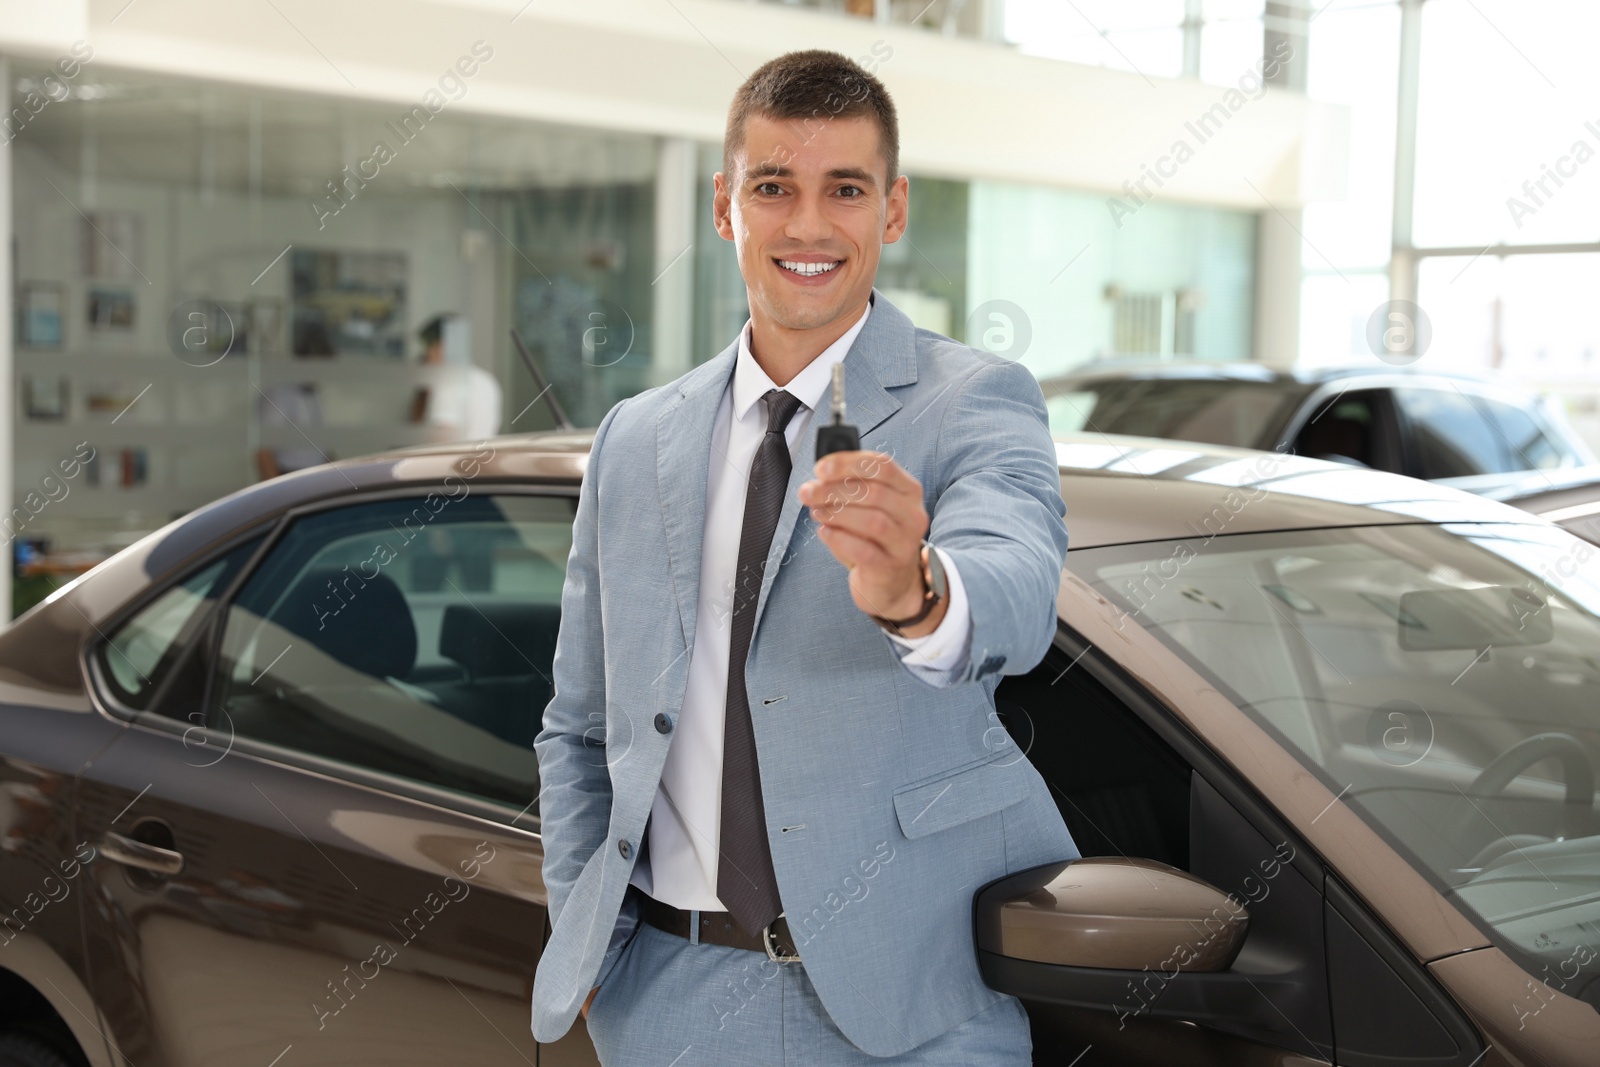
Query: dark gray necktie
(746, 882)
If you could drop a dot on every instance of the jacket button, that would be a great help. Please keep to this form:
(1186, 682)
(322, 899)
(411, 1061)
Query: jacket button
(663, 724)
(624, 848)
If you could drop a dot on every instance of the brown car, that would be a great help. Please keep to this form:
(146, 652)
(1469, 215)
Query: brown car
(1326, 738)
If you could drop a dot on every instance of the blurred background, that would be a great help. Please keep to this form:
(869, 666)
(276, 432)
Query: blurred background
(249, 236)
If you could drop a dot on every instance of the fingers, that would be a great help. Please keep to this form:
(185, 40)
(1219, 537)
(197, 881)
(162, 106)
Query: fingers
(895, 529)
(878, 468)
(869, 496)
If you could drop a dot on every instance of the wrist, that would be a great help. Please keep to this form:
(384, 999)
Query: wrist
(928, 625)
(923, 607)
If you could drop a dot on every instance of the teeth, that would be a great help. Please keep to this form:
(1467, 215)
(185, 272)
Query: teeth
(807, 268)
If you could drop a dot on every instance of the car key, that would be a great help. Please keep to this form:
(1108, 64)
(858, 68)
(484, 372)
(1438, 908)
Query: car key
(837, 436)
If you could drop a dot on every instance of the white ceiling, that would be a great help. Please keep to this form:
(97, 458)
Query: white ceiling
(144, 126)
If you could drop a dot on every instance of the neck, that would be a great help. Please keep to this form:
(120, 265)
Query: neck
(781, 353)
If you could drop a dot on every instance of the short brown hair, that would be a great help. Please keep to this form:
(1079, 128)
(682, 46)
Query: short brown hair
(815, 86)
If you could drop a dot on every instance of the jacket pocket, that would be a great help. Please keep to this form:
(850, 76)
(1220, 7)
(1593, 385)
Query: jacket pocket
(968, 792)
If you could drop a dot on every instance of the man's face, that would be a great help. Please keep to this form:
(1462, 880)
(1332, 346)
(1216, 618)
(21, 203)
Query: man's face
(809, 214)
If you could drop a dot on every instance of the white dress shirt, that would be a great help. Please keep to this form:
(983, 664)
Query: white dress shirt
(679, 866)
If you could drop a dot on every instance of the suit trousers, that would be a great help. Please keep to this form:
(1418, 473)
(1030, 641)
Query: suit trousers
(668, 1002)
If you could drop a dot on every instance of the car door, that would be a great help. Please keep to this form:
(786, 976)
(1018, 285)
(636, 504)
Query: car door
(317, 837)
(1319, 979)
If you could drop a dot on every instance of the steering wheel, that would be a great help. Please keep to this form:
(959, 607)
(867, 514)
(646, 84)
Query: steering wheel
(1576, 768)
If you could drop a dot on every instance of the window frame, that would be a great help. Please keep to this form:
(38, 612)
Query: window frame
(90, 660)
(205, 642)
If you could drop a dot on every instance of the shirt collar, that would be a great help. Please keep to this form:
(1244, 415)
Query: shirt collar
(750, 382)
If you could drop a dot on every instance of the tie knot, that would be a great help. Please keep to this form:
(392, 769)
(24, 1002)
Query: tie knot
(781, 407)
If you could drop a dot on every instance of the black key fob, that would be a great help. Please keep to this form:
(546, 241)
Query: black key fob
(837, 439)
(836, 435)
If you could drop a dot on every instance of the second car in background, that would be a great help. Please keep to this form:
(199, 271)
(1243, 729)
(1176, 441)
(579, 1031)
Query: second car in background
(1455, 429)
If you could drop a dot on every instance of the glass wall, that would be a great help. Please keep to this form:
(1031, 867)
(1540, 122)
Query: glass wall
(1213, 40)
(216, 284)
(1353, 60)
(1054, 280)
(1508, 194)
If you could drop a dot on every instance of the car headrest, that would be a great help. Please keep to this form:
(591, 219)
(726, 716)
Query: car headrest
(366, 625)
(500, 640)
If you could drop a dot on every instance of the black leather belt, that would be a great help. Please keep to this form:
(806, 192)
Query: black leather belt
(718, 928)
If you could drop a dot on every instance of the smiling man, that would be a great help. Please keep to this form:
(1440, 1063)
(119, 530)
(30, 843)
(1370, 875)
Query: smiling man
(772, 776)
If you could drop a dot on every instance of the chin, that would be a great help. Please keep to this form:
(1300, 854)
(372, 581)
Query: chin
(804, 318)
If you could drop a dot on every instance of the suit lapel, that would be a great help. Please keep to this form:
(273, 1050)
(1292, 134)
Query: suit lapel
(883, 356)
(683, 458)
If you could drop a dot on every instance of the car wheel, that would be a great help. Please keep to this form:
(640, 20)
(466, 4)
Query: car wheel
(25, 1050)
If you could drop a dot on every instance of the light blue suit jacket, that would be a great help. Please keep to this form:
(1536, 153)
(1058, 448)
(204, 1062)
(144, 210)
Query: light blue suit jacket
(888, 801)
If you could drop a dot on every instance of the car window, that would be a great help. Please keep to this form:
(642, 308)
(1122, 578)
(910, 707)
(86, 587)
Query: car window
(1239, 413)
(1439, 679)
(140, 654)
(1453, 436)
(1530, 447)
(412, 636)
(1347, 429)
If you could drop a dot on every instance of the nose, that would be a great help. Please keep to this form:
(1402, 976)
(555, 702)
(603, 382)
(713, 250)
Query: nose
(808, 221)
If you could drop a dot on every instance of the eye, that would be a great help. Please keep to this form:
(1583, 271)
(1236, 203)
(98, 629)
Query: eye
(851, 192)
(769, 188)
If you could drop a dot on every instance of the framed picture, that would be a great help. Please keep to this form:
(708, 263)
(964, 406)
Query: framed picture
(39, 311)
(266, 327)
(348, 303)
(111, 310)
(112, 244)
(44, 396)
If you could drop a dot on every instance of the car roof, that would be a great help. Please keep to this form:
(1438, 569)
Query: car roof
(1118, 489)
(1249, 371)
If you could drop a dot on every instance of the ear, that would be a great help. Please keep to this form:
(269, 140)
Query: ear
(722, 206)
(895, 210)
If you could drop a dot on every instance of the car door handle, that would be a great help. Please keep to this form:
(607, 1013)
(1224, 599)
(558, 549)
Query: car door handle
(125, 850)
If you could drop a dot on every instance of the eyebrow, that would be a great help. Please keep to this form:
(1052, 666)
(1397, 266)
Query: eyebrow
(856, 174)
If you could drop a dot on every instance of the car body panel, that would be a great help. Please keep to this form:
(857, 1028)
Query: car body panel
(1517, 1013)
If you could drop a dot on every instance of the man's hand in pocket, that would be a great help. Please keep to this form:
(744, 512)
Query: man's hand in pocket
(586, 1003)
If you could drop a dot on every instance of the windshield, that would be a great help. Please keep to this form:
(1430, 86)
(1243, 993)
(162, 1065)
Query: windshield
(1441, 679)
(1181, 409)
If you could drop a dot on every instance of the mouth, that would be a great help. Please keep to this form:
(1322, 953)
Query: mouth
(809, 269)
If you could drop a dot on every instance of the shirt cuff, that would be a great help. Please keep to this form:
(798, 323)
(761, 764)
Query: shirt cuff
(940, 656)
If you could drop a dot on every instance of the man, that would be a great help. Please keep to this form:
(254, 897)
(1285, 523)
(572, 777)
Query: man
(771, 784)
(463, 405)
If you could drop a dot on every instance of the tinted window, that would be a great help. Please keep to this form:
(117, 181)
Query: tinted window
(1452, 435)
(140, 655)
(1347, 428)
(1530, 447)
(1213, 412)
(411, 636)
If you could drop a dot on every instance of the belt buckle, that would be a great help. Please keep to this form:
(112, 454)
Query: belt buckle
(767, 936)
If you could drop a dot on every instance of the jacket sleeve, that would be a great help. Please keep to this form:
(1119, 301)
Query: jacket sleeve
(574, 779)
(1000, 517)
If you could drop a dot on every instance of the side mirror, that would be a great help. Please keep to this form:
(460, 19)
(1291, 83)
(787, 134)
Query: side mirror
(1110, 913)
